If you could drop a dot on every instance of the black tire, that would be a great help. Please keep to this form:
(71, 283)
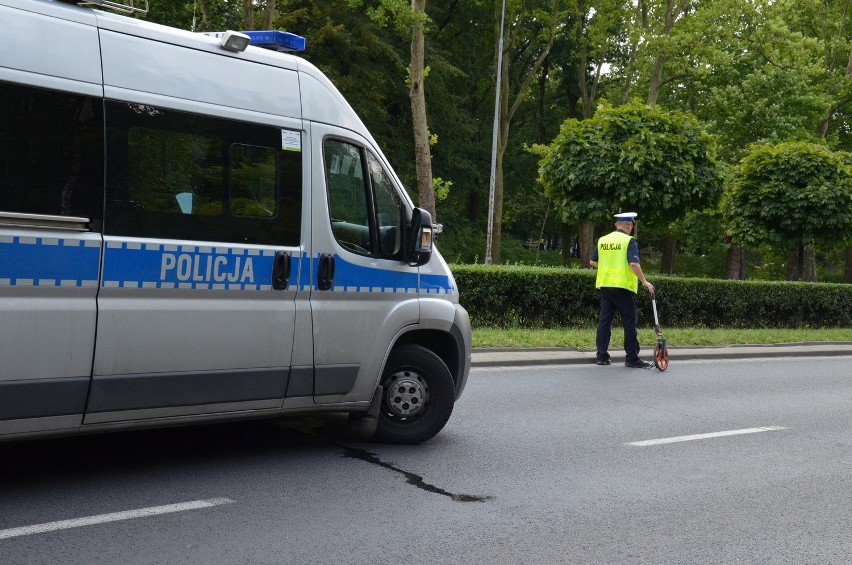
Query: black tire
(418, 394)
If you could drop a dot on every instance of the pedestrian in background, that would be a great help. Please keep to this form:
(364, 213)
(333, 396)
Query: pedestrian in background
(616, 258)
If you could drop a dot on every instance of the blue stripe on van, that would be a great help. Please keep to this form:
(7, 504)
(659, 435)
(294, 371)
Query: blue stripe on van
(134, 264)
(437, 284)
(349, 277)
(48, 261)
(306, 269)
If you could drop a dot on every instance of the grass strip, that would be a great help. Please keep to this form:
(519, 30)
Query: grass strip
(583, 339)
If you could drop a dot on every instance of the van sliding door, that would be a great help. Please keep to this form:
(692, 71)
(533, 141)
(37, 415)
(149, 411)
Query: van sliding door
(197, 305)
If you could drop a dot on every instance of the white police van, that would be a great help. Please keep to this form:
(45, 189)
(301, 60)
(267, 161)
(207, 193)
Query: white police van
(190, 232)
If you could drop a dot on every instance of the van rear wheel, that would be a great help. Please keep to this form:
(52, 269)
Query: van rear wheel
(417, 398)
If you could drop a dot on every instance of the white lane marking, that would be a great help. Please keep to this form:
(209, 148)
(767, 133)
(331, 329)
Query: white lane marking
(113, 517)
(676, 439)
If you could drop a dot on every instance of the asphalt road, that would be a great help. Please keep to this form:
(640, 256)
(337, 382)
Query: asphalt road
(537, 465)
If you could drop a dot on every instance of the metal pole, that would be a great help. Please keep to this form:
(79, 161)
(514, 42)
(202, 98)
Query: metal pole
(493, 183)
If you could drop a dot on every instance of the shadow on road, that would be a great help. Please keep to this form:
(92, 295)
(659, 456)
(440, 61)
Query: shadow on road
(120, 454)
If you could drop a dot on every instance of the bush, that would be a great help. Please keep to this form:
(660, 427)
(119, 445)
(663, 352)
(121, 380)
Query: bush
(502, 296)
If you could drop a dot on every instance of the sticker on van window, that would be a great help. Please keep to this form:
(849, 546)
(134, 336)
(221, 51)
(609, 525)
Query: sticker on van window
(291, 140)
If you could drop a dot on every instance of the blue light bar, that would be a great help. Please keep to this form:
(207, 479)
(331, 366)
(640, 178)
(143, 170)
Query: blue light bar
(277, 40)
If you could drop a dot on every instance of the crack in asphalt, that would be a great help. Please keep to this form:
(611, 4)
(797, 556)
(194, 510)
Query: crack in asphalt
(411, 478)
(312, 428)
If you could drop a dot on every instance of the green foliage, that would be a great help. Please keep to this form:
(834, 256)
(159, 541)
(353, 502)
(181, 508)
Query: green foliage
(779, 67)
(366, 61)
(792, 194)
(225, 15)
(527, 296)
(503, 296)
(397, 13)
(661, 163)
(441, 188)
(752, 70)
(583, 339)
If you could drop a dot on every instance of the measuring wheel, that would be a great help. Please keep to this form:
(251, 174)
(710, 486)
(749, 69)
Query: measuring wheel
(661, 356)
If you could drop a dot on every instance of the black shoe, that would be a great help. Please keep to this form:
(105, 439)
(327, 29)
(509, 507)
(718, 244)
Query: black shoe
(604, 362)
(638, 364)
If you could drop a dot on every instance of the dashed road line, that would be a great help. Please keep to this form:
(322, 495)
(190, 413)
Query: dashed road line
(676, 439)
(113, 517)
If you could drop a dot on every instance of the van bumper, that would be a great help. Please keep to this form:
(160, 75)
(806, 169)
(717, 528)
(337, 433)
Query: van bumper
(461, 332)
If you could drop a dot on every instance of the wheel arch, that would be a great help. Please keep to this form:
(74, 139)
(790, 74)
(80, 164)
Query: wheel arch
(447, 345)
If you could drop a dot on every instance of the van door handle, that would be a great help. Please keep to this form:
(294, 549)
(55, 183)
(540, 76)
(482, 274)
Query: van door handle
(325, 276)
(281, 271)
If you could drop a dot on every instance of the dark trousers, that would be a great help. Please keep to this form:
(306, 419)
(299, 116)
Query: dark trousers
(624, 302)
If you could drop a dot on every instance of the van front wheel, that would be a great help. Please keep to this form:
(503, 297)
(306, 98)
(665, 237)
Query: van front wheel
(417, 398)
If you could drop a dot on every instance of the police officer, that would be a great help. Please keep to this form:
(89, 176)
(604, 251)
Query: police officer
(616, 258)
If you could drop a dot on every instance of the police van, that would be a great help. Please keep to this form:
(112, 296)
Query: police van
(196, 228)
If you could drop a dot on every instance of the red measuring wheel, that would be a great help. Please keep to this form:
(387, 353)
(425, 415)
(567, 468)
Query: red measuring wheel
(661, 356)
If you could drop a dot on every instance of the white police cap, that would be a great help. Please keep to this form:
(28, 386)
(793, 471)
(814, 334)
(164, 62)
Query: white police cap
(626, 217)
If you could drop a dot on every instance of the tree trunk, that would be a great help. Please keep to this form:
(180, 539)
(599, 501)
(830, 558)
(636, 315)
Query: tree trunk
(541, 232)
(542, 94)
(206, 20)
(628, 75)
(660, 60)
(656, 80)
(497, 233)
(667, 258)
(809, 273)
(248, 15)
(847, 272)
(422, 154)
(736, 265)
(269, 14)
(794, 265)
(587, 242)
(507, 112)
(822, 128)
(583, 61)
(566, 233)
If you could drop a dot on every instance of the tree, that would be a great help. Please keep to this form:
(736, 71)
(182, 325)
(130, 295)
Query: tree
(676, 45)
(674, 42)
(365, 62)
(529, 36)
(411, 20)
(762, 71)
(635, 157)
(460, 99)
(598, 27)
(795, 194)
(250, 17)
(417, 70)
(215, 14)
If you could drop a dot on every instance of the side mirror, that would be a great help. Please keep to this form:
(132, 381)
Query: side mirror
(418, 240)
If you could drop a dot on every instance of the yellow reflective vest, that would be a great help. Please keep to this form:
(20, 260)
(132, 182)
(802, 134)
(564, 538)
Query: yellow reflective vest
(613, 268)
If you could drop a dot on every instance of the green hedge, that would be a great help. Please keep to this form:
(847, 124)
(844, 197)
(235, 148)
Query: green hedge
(502, 296)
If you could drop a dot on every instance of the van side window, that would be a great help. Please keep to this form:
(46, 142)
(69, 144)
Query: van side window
(364, 208)
(253, 181)
(168, 172)
(177, 175)
(51, 152)
(347, 196)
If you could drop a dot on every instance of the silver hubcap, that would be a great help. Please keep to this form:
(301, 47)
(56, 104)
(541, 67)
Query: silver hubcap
(407, 394)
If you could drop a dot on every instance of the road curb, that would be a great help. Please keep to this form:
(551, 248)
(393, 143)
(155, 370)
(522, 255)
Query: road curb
(554, 356)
